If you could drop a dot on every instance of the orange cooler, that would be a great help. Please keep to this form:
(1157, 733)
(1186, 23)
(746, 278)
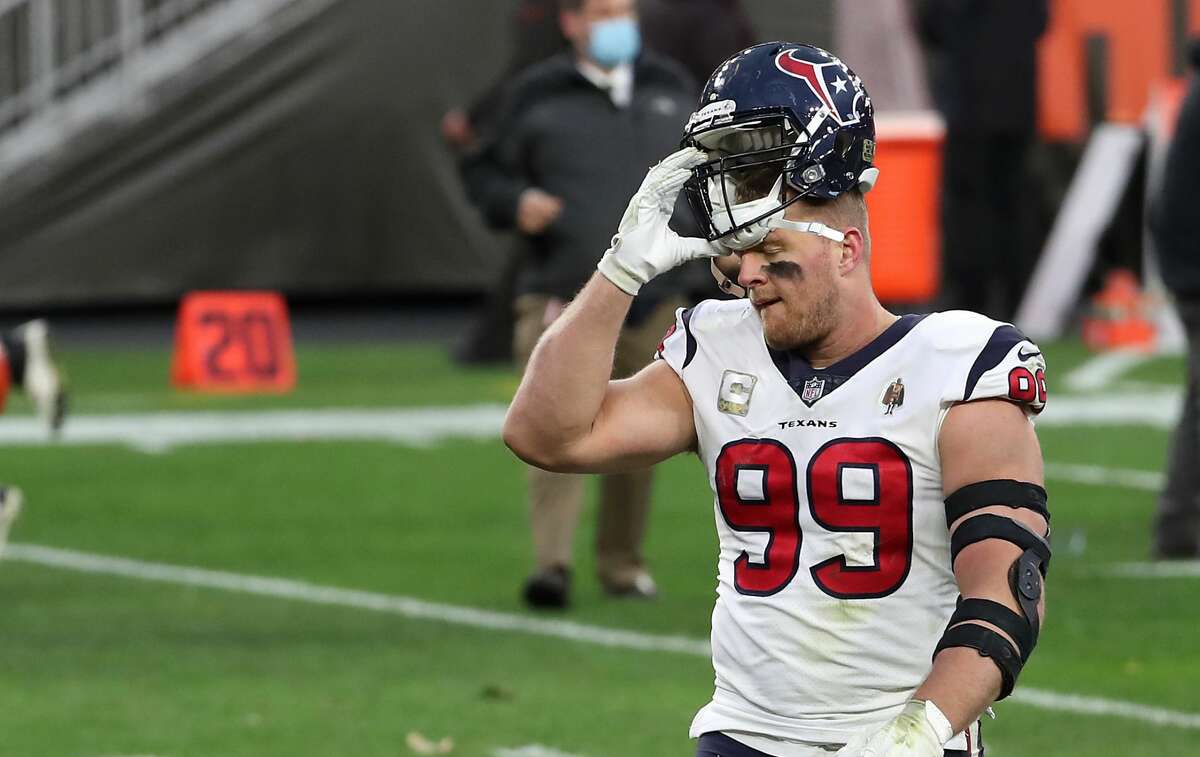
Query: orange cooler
(904, 207)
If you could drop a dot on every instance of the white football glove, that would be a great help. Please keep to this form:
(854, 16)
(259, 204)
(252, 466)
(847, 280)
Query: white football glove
(644, 246)
(920, 730)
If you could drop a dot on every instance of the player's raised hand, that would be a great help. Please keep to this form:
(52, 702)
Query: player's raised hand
(917, 731)
(644, 246)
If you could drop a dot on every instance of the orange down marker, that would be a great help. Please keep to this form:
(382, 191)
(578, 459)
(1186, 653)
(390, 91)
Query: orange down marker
(233, 341)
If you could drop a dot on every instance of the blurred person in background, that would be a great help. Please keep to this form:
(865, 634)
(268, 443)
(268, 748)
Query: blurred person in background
(984, 67)
(27, 364)
(575, 136)
(536, 36)
(1175, 225)
(700, 34)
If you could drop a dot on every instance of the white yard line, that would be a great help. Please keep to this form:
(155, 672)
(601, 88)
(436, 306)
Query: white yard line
(1082, 705)
(364, 600)
(1103, 370)
(1127, 478)
(531, 750)
(160, 432)
(1156, 409)
(497, 621)
(1164, 569)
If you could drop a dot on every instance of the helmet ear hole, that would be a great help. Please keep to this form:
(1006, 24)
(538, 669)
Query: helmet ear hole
(842, 143)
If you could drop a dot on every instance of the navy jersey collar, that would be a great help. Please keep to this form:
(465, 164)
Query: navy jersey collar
(811, 384)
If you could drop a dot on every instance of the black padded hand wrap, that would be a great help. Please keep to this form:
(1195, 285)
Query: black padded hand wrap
(989, 644)
(988, 526)
(1017, 627)
(1000, 491)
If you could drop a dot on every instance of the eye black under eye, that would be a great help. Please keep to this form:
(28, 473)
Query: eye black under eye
(783, 269)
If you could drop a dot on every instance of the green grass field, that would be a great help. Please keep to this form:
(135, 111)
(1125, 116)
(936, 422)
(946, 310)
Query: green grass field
(96, 664)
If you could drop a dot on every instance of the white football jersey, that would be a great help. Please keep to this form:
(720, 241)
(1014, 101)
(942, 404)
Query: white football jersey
(834, 582)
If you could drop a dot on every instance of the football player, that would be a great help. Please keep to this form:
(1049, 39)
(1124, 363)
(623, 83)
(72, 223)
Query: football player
(27, 363)
(877, 481)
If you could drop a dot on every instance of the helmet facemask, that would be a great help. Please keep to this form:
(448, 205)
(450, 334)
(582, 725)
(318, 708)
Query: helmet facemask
(746, 182)
(759, 169)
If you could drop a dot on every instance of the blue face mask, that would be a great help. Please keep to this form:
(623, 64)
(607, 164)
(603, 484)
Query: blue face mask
(615, 41)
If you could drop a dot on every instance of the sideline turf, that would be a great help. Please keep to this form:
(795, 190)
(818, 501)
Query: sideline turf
(95, 665)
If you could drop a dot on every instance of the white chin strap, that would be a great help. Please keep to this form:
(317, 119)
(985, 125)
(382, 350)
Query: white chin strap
(808, 227)
(729, 286)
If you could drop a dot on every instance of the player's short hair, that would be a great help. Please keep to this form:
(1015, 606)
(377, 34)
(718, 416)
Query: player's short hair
(847, 209)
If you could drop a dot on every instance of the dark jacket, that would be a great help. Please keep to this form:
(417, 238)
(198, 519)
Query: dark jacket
(984, 60)
(562, 134)
(1174, 220)
(700, 34)
(536, 36)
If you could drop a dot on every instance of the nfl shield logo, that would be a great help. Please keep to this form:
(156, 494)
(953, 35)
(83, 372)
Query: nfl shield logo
(813, 389)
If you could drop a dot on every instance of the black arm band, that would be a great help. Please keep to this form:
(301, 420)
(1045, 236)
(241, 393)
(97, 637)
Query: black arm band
(989, 644)
(989, 526)
(1000, 491)
(1011, 623)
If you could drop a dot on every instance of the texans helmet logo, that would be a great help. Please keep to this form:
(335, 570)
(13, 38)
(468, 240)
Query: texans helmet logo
(830, 82)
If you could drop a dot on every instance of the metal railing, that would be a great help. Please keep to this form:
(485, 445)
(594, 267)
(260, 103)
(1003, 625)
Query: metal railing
(51, 48)
(68, 65)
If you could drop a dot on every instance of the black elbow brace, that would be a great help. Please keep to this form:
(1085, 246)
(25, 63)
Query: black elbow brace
(1025, 577)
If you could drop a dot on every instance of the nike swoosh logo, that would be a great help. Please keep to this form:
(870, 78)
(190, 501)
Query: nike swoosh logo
(1023, 356)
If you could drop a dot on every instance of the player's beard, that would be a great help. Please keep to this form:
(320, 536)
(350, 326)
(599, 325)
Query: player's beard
(805, 317)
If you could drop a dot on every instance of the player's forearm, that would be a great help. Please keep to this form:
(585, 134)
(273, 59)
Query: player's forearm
(565, 382)
(962, 684)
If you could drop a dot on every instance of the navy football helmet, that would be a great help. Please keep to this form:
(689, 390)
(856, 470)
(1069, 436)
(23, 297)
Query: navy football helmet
(776, 117)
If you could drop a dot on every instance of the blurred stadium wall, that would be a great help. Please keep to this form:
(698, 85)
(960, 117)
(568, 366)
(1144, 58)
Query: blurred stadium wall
(149, 147)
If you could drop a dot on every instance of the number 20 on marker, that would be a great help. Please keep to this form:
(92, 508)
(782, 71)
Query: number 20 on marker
(233, 342)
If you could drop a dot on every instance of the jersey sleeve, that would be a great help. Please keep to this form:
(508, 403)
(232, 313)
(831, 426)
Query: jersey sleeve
(678, 347)
(999, 362)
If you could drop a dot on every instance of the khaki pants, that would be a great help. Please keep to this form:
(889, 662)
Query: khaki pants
(555, 499)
